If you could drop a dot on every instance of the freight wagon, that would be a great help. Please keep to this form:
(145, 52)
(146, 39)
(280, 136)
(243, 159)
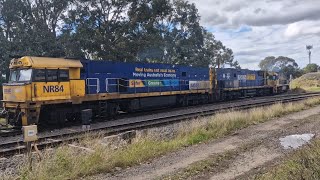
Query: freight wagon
(55, 90)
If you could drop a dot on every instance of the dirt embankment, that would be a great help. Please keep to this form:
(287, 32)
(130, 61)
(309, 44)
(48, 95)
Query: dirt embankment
(252, 150)
(307, 82)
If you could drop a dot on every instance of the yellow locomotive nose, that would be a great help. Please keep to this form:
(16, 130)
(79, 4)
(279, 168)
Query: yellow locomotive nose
(36, 82)
(16, 93)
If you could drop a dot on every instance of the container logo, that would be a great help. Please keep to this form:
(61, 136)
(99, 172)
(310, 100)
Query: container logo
(7, 91)
(251, 77)
(153, 83)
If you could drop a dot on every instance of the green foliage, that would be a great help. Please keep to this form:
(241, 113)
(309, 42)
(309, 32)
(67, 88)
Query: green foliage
(311, 68)
(284, 65)
(145, 30)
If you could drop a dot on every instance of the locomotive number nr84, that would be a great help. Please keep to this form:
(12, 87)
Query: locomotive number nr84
(51, 88)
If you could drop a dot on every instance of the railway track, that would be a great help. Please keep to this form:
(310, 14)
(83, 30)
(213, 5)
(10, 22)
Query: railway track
(9, 132)
(9, 147)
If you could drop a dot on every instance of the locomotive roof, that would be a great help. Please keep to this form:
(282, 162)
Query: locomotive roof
(141, 63)
(44, 62)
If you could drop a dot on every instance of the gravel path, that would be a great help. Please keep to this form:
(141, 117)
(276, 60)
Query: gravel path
(245, 163)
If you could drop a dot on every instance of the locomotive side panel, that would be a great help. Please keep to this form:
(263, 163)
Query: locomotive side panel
(118, 77)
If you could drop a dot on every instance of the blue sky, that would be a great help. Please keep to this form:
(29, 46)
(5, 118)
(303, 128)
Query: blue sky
(259, 28)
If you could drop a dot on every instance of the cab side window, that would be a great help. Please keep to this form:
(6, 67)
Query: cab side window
(63, 75)
(52, 75)
(39, 75)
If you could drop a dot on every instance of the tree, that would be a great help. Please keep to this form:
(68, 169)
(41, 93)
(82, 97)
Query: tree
(99, 27)
(149, 24)
(160, 31)
(164, 31)
(31, 26)
(216, 53)
(285, 65)
(311, 68)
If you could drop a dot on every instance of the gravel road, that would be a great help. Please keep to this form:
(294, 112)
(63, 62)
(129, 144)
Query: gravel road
(247, 162)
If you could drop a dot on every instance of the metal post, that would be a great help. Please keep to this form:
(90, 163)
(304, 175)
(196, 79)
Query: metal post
(29, 154)
(29, 136)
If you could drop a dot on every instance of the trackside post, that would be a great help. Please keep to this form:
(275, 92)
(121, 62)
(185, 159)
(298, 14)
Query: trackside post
(30, 135)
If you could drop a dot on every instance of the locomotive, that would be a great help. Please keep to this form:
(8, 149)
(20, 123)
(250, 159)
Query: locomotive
(57, 90)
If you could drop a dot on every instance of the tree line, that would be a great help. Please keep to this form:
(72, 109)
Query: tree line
(287, 66)
(165, 31)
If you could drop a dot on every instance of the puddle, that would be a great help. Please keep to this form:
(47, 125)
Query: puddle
(295, 141)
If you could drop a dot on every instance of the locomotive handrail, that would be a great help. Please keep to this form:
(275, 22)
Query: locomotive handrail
(93, 85)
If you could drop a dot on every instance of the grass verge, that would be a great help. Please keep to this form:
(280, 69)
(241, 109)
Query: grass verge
(303, 164)
(70, 163)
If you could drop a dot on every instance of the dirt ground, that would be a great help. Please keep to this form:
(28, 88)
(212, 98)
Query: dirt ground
(263, 150)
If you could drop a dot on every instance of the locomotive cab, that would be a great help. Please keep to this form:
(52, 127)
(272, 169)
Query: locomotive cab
(278, 82)
(36, 81)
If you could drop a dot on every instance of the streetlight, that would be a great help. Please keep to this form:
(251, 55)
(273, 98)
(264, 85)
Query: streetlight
(309, 47)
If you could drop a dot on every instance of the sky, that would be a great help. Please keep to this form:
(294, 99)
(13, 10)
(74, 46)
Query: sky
(255, 29)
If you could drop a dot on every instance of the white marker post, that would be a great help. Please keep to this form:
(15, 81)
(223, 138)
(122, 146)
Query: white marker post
(29, 136)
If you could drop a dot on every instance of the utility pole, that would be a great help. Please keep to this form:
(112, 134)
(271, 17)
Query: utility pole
(309, 47)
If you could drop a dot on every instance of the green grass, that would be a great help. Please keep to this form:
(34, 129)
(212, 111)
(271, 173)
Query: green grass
(303, 164)
(71, 163)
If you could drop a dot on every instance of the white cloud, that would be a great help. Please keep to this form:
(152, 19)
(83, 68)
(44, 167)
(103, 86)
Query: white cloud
(273, 27)
(302, 28)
